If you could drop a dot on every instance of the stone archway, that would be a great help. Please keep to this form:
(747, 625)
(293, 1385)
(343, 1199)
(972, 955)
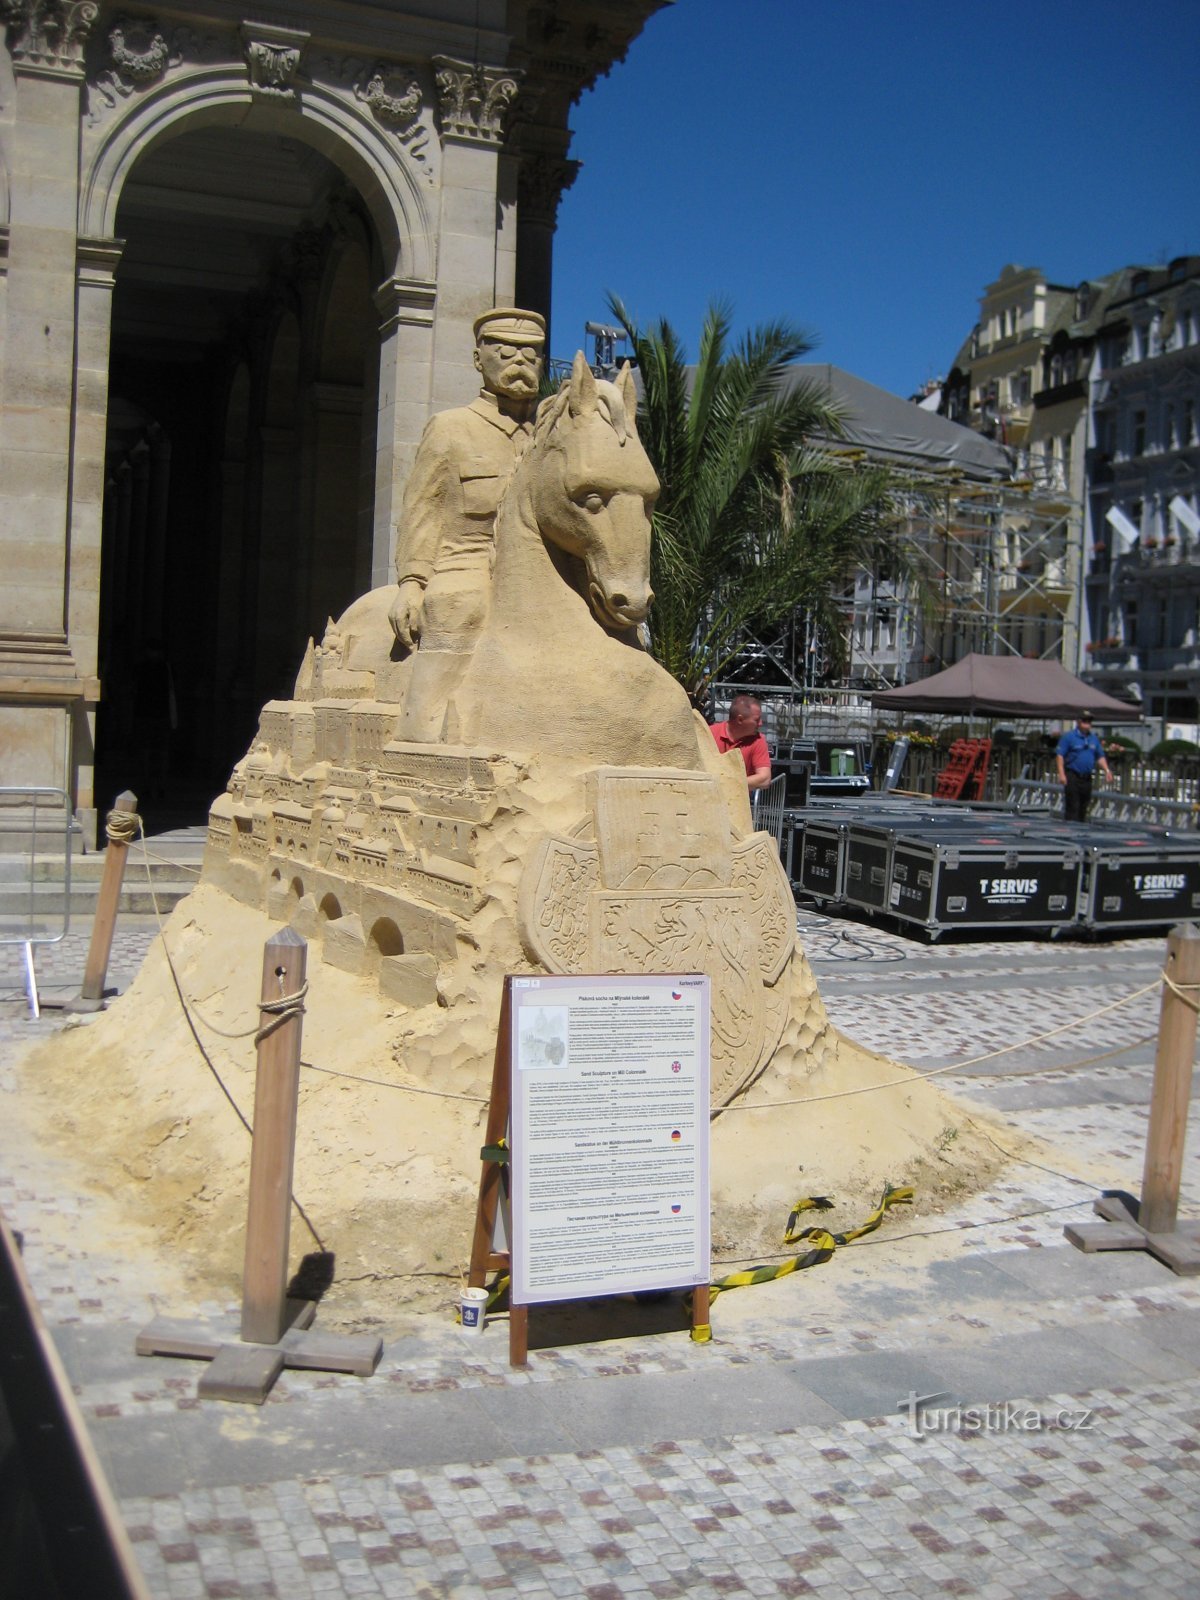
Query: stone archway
(446, 146)
(258, 223)
(245, 342)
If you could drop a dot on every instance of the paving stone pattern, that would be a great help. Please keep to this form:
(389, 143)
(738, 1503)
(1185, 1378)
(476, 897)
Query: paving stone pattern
(775, 1461)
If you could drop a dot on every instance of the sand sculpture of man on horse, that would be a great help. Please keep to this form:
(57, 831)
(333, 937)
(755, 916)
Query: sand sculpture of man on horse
(444, 541)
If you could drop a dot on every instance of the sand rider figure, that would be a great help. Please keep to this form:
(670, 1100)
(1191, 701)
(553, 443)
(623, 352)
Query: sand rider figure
(444, 540)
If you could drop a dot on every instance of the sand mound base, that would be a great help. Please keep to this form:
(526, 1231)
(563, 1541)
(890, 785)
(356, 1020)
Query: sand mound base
(387, 1166)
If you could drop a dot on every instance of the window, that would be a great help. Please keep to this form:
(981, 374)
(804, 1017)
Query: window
(1139, 433)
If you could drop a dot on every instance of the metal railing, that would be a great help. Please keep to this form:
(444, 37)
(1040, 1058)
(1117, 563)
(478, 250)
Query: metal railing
(35, 823)
(1107, 805)
(768, 807)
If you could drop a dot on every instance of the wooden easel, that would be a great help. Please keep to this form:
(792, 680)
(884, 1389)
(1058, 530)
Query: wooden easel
(485, 1257)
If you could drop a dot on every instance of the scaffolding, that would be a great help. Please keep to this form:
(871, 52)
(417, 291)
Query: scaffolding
(992, 567)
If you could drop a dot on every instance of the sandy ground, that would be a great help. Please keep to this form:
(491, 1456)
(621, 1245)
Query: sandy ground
(387, 1168)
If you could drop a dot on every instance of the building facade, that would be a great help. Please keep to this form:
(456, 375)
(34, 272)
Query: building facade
(1143, 493)
(239, 264)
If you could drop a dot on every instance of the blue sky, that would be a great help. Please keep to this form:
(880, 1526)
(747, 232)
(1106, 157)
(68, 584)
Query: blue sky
(865, 167)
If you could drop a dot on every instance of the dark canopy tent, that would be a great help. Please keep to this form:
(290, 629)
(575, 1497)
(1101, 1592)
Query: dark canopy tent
(1005, 686)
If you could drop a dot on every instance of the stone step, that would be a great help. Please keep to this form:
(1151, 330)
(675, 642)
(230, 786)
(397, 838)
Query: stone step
(89, 869)
(170, 873)
(169, 861)
(48, 899)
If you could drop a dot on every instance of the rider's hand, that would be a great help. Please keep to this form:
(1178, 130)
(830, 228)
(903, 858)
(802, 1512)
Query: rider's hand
(406, 612)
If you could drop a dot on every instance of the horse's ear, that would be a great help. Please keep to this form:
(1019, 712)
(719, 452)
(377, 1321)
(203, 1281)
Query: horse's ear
(628, 393)
(583, 388)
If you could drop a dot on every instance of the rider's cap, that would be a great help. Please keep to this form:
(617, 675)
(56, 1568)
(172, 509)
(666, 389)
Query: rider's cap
(509, 325)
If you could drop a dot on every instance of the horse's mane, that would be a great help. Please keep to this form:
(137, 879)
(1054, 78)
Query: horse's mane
(608, 400)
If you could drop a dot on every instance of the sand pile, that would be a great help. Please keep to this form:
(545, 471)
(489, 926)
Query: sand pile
(387, 1164)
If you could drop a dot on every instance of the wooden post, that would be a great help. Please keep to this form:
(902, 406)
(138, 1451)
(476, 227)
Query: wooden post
(104, 925)
(276, 1095)
(483, 1249)
(1172, 1083)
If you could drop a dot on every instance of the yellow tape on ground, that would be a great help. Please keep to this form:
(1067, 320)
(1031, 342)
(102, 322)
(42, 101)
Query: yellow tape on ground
(891, 1196)
(821, 1245)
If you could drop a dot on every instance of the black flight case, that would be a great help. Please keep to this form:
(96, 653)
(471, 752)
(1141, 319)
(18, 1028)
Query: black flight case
(985, 874)
(1138, 877)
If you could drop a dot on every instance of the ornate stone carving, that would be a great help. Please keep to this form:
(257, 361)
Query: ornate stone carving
(138, 66)
(542, 182)
(49, 35)
(393, 96)
(273, 57)
(474, 100)
(140, 55)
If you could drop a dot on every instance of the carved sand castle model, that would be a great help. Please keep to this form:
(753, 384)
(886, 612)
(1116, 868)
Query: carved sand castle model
(562, 810)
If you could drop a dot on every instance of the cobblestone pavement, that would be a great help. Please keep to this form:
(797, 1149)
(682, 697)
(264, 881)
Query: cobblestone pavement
(1060, 1456)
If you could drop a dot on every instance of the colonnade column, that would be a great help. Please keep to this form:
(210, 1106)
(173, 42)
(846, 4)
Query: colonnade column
(42, 682)
(476, 266)
(406, 310)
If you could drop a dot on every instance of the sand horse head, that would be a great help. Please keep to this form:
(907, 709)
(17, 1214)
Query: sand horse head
(592, 491)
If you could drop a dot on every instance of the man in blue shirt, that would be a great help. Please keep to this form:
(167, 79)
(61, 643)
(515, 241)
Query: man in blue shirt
(1079, 754)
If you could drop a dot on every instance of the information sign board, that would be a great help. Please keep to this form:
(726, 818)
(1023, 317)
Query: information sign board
(609, 1135)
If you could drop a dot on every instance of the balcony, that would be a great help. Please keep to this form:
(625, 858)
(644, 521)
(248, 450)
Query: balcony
(1106, 656)
(1177, 658)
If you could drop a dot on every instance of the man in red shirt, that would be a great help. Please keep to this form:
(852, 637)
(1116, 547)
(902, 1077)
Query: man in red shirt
(743, 732)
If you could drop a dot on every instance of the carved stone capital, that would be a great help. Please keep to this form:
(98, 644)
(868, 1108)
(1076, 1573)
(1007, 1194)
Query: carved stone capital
(474, 101)
(273, 57)
(541, 184)
(48, 36)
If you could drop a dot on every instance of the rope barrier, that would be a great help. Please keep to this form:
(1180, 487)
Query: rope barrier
(405, 1088)
(123, 827)
(954, 1066)
(177, 866)
(199, 1043)
(1180, 991)
(281, 1011)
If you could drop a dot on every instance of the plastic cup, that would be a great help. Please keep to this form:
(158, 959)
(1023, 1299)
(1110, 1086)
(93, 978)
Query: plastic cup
(472, 1309)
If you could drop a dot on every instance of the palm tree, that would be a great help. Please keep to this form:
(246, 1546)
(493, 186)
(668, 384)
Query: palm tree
(754, 520)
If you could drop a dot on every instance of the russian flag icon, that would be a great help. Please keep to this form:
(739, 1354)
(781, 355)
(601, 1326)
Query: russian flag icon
(676, 1208)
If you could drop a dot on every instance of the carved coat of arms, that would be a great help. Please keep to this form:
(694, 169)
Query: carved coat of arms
(661, 886)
